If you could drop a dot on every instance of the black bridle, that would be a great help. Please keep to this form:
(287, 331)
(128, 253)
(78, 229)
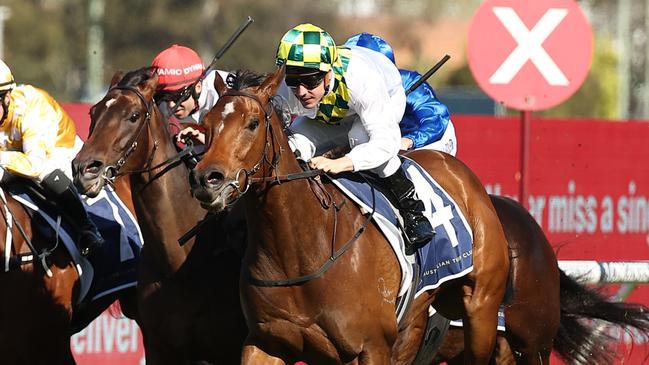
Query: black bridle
(270, 139)
(113, 171)
(132, 145)
(273, 177)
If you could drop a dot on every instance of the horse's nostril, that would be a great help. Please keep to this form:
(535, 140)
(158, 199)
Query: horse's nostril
(207, 179)
(92, 168)
(214, 177)
(87, 169)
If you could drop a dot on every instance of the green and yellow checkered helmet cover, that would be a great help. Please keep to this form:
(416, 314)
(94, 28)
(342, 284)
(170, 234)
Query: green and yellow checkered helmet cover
(309, 46)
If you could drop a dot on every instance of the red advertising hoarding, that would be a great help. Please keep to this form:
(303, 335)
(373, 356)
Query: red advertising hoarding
(589, 182)
(111, 339)
(588, 188)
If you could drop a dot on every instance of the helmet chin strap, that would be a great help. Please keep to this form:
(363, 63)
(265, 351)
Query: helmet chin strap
(195, 96)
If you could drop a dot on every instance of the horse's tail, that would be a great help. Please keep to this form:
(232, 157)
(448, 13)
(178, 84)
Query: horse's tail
(585, 317)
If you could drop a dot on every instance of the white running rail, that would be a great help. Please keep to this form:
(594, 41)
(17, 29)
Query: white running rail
(607, 272)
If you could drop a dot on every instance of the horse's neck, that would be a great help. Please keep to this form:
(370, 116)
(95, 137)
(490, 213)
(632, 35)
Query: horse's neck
(284, 219)
(166, 210)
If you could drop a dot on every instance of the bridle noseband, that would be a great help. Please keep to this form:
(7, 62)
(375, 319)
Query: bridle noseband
(270, 138)
(110, 177)
(112, 172)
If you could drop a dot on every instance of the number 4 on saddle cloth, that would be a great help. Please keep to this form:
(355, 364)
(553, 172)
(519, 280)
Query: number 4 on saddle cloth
(447, 256)
(113, 266)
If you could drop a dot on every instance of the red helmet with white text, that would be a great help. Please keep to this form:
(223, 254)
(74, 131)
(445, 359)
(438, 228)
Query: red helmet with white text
(177, 67)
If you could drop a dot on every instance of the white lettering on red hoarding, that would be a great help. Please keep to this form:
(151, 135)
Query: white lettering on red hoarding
(586, 213)
(628, 336)
(107, 334)
(633, 212)
(579, 213)
(572, 213)
(495, 189)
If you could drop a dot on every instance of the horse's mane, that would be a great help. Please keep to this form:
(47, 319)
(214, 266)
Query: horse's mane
(136, 77)
(245, 78)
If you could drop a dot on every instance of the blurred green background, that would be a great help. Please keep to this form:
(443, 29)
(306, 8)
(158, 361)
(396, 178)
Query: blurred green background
(72, 47)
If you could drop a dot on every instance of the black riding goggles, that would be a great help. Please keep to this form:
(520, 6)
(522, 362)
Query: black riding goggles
(177, 96)
(309, 82)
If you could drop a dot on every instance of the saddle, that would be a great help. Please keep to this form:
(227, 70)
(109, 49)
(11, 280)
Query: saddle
(114, 265)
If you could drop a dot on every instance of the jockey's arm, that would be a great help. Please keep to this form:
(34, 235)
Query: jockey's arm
(39, 136)
(380, 120)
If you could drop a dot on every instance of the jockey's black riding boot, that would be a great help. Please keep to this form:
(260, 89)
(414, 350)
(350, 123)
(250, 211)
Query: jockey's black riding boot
(59, 186)
(418, 229)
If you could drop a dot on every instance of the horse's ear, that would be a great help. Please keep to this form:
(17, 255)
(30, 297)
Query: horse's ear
(116, 78)
(269, 88)
(219, 84)
(150, 86)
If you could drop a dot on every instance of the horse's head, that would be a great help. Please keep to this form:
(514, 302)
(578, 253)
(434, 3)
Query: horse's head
(240, 139)
(118, 123)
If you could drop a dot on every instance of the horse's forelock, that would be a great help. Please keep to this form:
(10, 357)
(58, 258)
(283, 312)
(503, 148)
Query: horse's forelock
(245, 78)
(136, 77)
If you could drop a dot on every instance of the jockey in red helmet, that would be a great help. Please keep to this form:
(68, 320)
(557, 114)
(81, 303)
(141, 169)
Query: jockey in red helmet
(179, 70)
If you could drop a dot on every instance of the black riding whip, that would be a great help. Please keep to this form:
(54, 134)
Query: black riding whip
(428, 74)
(183, 95)
(227, 45)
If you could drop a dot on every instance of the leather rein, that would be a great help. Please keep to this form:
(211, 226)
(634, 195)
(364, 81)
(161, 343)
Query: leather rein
(274, 177)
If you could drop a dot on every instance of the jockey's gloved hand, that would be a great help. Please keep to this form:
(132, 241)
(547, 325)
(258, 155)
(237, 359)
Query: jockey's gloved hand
(193, 155)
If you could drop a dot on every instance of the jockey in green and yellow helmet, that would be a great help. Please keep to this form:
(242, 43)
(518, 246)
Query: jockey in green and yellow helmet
(354, 96)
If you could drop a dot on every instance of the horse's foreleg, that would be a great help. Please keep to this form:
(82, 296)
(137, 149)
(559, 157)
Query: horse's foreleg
(68, 357)
(254, 355)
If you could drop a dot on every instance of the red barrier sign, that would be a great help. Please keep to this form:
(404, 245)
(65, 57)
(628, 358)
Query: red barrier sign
(530, 55)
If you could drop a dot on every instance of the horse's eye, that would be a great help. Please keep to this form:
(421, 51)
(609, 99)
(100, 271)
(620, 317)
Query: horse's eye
(134, 117)
(253, 124)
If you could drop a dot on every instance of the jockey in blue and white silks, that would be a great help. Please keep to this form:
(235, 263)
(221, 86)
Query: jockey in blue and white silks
(426, 122)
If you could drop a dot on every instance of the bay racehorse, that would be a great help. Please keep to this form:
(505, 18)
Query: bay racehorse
(342, 312)
(548, 310)
(38, 303)
(188, 295)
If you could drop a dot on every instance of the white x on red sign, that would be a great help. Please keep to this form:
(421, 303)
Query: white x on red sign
(530, 46)
(530, 55)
